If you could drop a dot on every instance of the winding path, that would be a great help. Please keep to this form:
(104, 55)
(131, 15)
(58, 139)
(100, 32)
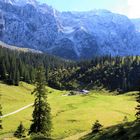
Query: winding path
(23, 108)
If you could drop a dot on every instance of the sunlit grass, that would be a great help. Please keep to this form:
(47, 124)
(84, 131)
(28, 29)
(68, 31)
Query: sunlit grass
(70, 114)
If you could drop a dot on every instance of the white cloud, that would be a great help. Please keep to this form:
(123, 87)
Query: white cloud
(134, 8)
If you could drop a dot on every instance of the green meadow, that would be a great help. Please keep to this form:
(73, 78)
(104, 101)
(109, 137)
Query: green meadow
(71, 115)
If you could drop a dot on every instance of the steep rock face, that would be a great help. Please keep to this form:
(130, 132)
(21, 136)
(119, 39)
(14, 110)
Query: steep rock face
(114, 33)
(2, 24)
(27, 27)
(64, 48)
(20, 2)
(136, 22)
(72, 35)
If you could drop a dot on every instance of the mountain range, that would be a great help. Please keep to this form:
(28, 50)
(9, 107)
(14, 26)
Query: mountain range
(71, 35)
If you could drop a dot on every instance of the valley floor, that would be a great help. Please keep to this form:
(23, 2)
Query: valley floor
(72, 116)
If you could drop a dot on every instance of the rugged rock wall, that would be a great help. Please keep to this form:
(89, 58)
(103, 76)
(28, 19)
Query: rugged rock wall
(70, 35)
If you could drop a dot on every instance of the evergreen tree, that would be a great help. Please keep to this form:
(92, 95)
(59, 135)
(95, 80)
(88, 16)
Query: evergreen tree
(96, 127)
(3, 70)
(138, 107)
(41, 114)
(17, 78)
(0, 115)
(20, 132)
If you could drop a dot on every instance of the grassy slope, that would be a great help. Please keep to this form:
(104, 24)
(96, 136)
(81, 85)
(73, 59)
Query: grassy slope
(14, 98)
(71, 115)
(130, 131)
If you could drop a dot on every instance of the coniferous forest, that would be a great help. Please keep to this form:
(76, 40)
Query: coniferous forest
(112, 73)
(18, 66)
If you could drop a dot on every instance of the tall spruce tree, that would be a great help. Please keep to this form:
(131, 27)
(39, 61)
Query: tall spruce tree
(0, 115)
(138, 107)
(42, 112)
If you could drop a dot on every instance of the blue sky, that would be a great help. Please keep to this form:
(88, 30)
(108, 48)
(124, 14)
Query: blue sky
(127, 7)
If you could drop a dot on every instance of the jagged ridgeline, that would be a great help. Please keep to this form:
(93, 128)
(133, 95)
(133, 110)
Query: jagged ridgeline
(71, 35)
(113, 73)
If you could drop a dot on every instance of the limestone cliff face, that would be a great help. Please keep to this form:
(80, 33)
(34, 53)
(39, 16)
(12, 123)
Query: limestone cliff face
(2, 24)
(73, 35)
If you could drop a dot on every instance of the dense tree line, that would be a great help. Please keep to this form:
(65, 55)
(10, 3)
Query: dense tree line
(113, 73)
(118, 73)
(18, 66)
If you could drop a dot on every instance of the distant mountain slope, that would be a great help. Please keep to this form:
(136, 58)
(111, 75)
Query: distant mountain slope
(20, 2)
(2, 23)
(136, 22)
(71, 35)
(4, 45)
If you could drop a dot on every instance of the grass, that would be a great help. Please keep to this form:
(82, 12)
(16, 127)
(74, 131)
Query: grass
(14, 98)
(70, 114)
(124, 131)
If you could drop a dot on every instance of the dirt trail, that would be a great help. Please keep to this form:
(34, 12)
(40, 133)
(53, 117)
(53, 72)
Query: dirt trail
(12, 113)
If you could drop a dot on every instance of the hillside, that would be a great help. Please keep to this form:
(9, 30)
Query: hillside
(108, 108)
(4, 45)
(123, 131)
(120, 74)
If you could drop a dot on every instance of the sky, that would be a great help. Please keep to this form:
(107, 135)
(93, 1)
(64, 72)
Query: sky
(131, 8)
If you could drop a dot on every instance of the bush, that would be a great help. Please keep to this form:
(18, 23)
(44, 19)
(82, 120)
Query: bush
(20, 132)
(125, 119)
(72, 93)
(96, 127)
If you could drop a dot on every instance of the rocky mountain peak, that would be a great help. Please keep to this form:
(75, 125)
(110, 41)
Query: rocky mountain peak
(20, 2)
(2, 23)
(71, 35)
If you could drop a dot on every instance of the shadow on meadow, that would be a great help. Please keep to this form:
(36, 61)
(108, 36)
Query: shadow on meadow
(126, 131)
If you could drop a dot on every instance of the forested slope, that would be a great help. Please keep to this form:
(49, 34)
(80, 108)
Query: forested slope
(112, 73)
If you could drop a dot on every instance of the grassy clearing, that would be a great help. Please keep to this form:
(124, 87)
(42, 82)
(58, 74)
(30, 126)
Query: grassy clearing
(71, 114)
(14, 98)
